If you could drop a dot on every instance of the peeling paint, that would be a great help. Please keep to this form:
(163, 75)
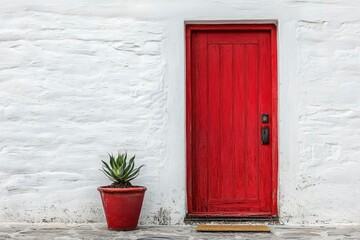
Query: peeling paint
(163, 217)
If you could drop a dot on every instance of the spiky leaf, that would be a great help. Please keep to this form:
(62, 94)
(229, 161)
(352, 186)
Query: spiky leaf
(119, 169)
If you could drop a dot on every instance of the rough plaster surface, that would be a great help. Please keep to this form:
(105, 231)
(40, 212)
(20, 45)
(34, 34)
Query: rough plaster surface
(82, 78)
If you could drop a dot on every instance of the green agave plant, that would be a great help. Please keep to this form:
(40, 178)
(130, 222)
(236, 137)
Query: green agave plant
(119, 170)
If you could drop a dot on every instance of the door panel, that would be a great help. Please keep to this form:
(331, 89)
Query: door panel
(201, 124)
(230, 88)
(232, 37)
(226, 123)
(265, 106)
(214, 121)
(239, 120)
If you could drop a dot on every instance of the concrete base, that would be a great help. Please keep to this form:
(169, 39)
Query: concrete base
(99, 231)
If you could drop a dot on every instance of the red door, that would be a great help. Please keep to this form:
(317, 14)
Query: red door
(231, 120)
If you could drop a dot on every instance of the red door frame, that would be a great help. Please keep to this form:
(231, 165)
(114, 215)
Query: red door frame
(190, 28)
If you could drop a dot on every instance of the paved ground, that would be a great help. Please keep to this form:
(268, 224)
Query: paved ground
(99, 231)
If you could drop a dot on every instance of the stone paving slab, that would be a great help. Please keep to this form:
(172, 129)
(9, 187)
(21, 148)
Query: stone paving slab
(99, 231)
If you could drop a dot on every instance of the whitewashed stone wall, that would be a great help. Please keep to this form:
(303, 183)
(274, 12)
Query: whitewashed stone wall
(79, 79)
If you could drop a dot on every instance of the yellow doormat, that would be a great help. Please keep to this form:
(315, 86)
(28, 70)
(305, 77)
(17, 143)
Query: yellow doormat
(232, 228)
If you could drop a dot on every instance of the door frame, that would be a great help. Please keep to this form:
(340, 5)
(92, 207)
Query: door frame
(190, 28)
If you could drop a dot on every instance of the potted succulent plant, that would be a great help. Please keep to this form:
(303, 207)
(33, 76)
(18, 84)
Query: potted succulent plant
(121, 201)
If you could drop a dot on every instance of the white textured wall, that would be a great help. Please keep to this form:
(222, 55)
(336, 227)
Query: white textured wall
(80, 78)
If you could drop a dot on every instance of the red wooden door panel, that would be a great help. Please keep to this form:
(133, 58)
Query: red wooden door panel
(231, 82)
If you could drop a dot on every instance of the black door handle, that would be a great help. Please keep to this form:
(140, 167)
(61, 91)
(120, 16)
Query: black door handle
(265, 138)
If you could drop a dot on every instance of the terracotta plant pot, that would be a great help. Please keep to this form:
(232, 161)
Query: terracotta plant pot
(122, 206)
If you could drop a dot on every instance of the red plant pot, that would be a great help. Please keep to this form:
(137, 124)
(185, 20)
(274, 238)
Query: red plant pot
(122, 206)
